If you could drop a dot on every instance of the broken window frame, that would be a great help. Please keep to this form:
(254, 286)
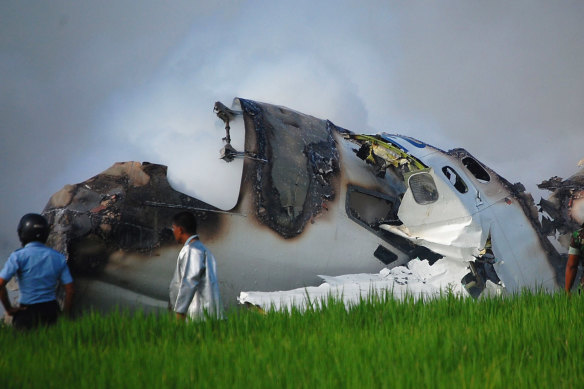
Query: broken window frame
(476, 169)
(351, 212)
(455, 179)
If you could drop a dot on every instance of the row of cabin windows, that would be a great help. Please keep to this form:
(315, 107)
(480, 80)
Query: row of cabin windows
(424, 189)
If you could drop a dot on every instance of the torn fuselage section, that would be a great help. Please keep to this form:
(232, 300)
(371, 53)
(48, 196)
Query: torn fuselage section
(482, 274)
(295, 169)
(453, 205)
(383, 154)
(563, 212)
(374, 187)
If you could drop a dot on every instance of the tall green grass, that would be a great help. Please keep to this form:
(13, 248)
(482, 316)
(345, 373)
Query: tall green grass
(531, 340)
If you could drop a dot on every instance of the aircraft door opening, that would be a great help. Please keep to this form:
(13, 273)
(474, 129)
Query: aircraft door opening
(370, 208)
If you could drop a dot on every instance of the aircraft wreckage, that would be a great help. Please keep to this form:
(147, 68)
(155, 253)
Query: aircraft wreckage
(314, 199)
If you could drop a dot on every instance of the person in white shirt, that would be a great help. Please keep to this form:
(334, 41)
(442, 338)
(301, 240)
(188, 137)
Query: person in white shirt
(194, 290)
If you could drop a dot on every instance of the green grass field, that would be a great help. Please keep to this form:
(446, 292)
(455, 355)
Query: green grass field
(532, 340)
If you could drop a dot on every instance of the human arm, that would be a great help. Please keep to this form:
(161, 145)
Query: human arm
(571, 270)
(6, 274)
(4, 298)
(69, 292)
(67, 282)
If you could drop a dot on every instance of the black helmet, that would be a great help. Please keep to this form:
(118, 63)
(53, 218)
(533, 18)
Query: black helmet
(33, 227)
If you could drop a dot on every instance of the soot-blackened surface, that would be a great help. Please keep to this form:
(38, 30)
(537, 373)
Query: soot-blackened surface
(303, 161)
(107, 213)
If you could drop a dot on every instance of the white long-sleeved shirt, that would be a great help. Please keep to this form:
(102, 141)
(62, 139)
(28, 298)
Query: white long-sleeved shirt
(194, 289)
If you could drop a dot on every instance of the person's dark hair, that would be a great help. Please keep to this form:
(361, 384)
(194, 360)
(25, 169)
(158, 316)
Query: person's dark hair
(33, 228)
(187, 221)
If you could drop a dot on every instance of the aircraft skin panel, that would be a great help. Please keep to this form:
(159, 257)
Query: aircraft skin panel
(451, 225)
(521, 260)
(490, 191)
(412, 146)
(448, 206)
(104, 296)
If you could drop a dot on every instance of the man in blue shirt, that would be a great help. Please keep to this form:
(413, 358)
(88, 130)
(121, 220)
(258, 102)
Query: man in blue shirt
(39, 270)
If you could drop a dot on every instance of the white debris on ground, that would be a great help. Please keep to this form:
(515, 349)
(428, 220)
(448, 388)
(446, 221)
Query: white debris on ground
(417, 279)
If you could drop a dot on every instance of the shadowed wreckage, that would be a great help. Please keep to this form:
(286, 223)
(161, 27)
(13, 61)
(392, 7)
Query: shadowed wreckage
(314, 199)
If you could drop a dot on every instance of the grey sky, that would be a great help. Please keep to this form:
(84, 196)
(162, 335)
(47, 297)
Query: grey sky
(86, 84)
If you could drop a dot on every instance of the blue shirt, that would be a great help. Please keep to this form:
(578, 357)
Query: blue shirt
(38, 269)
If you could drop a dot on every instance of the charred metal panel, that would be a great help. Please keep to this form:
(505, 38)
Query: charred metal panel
(302, 162)
(564, 208)
(129, 207)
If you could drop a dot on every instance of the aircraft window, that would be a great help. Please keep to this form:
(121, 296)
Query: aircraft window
(369, 207)
(476, 169)
(455, 179)
(423, 188)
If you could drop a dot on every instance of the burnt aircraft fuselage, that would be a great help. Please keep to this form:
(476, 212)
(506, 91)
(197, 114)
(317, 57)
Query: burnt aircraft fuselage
(314, 199)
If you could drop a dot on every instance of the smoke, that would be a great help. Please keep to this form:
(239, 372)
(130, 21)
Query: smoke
(87, 84)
